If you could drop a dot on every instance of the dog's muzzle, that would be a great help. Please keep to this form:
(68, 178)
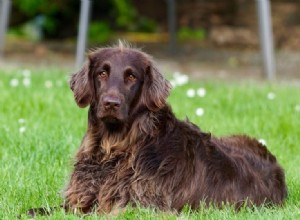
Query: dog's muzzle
(111, 103)
(112, 109)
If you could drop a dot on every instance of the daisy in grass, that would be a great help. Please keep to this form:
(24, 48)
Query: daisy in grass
(26, 73)
(26, 82)
(199, 111)
(262, 141)
(179, 79)
(14, 82)
(21, 120)
(271, 96)
(48, 84)
(201, 92)
(22, 129)
(190, 93)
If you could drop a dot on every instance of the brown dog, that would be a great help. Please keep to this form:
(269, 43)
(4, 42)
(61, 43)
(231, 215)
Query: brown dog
(136, 152)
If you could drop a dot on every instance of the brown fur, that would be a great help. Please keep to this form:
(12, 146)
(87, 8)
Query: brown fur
(136, 152)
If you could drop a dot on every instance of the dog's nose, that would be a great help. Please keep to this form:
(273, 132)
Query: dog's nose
(111, 102)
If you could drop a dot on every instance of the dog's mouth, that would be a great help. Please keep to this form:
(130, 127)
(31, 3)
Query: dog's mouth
(111, 119)
(112, 123)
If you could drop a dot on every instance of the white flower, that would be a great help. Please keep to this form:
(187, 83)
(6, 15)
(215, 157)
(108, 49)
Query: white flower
(297, 108)
(14, 82)
(201, 92)
(262, 141)
(271, 96)
(48, 84)
(26, 73)
(180, 79)
(21, 120)
(22, 129)
(173, 83)
(199, 111)
(190, 93)
(26, 82)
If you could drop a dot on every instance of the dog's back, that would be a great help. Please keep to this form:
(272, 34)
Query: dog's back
(240, 169)
(193, 167)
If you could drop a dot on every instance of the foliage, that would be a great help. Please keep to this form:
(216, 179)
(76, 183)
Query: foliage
(186, 33)
(127, 18)
(57, 19)
(40, 134)
(146, 25)
(125, 14)
(32, 7)
(99, 32)
(45, 9)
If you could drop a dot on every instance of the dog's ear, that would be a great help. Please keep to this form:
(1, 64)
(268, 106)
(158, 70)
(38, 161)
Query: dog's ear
(155, 90)
(80, 86)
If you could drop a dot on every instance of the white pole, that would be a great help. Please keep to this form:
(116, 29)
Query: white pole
(82, 32)
(4, 17)
(266, 37)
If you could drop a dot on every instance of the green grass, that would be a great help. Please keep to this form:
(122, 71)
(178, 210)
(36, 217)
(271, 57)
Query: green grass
(35, 164)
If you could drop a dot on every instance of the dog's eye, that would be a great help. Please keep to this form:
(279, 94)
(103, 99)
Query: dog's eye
(103, 74)
(131, 78)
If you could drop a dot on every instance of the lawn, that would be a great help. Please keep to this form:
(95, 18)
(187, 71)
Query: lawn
(41, 128)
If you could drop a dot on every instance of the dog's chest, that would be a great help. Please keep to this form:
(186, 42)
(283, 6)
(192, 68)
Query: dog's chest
(115, 169)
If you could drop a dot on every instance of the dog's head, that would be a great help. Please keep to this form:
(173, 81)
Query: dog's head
(118, 80)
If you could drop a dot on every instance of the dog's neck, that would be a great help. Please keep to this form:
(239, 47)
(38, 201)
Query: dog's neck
(140, 126)
(121, 135)
(114, 128)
